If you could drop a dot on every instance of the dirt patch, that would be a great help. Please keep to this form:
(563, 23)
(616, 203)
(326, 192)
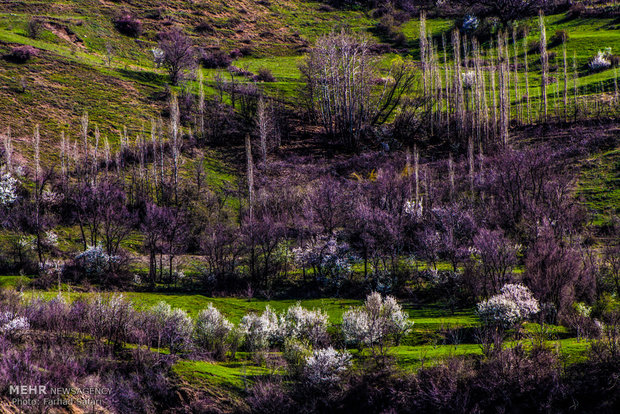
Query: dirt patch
(64, 33)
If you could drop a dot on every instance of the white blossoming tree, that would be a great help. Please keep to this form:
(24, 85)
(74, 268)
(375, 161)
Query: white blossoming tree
(601, 60)
(7, 189)
(259, 331)
(12, 325)
(174, 326)
(211, 330)
(326, 367)
(376, 324)
(300, 323)
(512, 305)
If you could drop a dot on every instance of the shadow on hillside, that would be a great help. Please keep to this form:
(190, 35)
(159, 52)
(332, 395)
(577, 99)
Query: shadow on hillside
(144, 76)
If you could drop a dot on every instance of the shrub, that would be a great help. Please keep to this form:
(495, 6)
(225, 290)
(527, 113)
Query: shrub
(470, 23)
(11, 324)
(295, 353)
(559, 37)
(173, 327)
(269, 397)
(128, 25)
(264, 75)
(203, 27)
(533, 46)
(34, 28)
(576, 10)
(7, 189)
(399, 39)
(515, 303)
(211, 330)
(469, 79)
(235, 54)
(95, 262)
(300, 323)
(214, 59)
(325, 367)
(22, 54)
(377, 321)
(600, 61)
(259, 331)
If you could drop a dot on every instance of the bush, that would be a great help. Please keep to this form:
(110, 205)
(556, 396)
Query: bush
(214, 59)
(173, 327)
(300, 323)
(295, 354)
(211, 330)
(513, 304)
(22, 54)
(7, 189)
(269, 397)
(559, 37)
(576, 10)
(264, 75)
(35, 26)
(375, 323)
(470, 23)
(600, 61)
(95, 262)
(469, 79)
(533, 46)
(325, 367)
(12, 324)
(203, 27)
(128, 25)
(259, 331)
(235, 54)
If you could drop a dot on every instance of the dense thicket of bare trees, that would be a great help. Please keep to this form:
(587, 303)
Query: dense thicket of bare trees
(344, 88)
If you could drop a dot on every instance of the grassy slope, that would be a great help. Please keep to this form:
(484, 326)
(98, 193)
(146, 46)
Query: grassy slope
(600, 185)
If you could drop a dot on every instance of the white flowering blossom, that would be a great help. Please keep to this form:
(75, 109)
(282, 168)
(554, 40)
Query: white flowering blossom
(51, 198)
(330, 259)
(259, 331)
(7, 189)
(325, 367)
(27, 242)
(470, 23)
(414, 209)
(300, 323)
(469, 79)
(356, 326)
(10, 323)
(211, 328)
(158, 56)
(513, 304)
(175, 326)
(583, 310)
(95, 261)
(374, 322)
(51, 238)
(601, 60)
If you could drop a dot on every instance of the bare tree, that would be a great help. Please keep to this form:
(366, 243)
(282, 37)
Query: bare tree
(345, 91)
(264, 126)
(544, 64)
(178, 52)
